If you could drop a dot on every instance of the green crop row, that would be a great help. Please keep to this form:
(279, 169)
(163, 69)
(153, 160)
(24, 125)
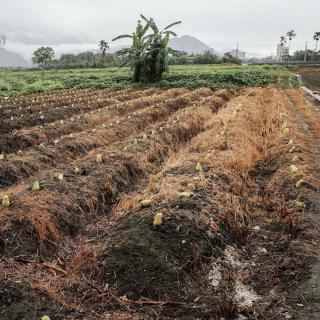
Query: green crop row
(16, 82)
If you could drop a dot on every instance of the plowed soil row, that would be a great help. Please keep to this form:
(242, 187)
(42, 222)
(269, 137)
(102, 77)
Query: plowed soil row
(60, 152)
(34, 103)
(54, 113)
(117, 148)
(24, 138)
(233, 189)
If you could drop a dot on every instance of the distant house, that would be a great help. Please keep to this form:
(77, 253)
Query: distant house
(241, 55)
(282, 53)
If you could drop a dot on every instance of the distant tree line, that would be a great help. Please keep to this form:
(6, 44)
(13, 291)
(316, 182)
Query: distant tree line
(301, 55)
(148, 56)
(43, 57)
(206, 57)
(104, 60)
(90, 59)
(84, 60)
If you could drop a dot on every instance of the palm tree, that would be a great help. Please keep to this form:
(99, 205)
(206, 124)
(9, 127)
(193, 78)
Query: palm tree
(316, 37)
(103, 46)
(290, 34)
(283, 40)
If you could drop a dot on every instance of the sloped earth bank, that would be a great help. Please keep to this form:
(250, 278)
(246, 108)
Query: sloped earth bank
(238, 188)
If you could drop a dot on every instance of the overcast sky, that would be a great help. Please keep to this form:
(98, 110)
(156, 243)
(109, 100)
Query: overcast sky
(255, 24)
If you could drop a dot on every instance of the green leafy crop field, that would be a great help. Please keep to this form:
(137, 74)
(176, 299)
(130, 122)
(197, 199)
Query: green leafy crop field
(16, 82)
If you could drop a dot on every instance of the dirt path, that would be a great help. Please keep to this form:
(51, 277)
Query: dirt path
(308, 292)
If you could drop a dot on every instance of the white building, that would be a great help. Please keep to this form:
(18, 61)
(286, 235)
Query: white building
(282, 53)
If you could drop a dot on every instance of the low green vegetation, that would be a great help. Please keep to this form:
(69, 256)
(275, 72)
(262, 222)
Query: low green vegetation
(16, 82)
(286, 79)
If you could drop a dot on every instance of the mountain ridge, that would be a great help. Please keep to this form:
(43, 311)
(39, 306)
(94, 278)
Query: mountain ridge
(9, 59)
(189, 44)
(15, 56)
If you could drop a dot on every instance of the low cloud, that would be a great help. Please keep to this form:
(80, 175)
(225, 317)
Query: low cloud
(74, 25)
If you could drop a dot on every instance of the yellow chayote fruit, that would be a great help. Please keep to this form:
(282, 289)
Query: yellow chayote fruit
(145, 203)
(36, 186)
(158, 219)
(198, 167)
(5, 201)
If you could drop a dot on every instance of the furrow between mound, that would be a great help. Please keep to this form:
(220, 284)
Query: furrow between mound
(59, 153)
(59, 113)
(231, 237)
(26, 138)
(61, 206)
(42, 102)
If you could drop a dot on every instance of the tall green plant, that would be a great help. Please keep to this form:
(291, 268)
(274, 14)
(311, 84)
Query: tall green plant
(148, 54)
(157, 58)
(135, 55)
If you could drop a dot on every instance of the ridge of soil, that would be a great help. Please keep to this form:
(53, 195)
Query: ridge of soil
(238, 240)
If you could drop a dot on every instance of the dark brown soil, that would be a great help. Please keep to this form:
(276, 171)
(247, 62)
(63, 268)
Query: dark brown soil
(233, 244)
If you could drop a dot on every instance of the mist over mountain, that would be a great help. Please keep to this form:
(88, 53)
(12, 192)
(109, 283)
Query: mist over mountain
(184, 43)
(44, 37)
(10, 59)
(188, 44)
(24, 42)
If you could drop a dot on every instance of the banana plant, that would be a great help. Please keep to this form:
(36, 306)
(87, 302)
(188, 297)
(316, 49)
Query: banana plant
(148, 53)
(135, 55)
(159, 50)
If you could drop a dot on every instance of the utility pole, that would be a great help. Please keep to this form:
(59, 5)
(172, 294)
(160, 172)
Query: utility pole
(237, 50)
(305, 52)
(2, 40)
